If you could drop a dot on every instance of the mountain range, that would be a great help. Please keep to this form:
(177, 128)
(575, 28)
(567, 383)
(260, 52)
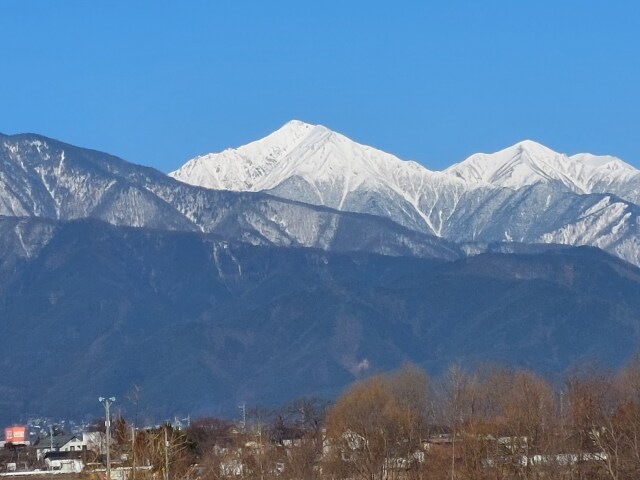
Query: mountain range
(526, 193)
(298, 263)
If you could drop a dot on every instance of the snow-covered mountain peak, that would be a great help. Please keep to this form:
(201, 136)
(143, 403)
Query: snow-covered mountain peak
(525, 163)
(313, 153)
(528, 162)
(531, 147)
(327, 157)
(285, 137)
(313, 164)
(239, 168)
(297, 124)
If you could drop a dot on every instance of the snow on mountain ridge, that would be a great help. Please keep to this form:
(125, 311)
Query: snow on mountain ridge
(316, 165)
(289, 151)
(528, 162)
(323, 155)
(313, 165)
(317, 155)
(526, 192)
(238, 169)
(60, 182)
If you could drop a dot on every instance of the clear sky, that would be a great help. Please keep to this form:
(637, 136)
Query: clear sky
(159, 82)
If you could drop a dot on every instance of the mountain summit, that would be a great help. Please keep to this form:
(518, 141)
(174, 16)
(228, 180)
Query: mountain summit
(529, 162)
(313, 164)
(312, 153)
(243, 168)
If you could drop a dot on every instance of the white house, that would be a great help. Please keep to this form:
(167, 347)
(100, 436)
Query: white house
(63, 462)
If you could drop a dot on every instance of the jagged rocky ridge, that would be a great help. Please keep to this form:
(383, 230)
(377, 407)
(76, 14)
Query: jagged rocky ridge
(526, 193)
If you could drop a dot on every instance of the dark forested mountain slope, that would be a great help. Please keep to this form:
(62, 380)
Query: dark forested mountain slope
(201, 323)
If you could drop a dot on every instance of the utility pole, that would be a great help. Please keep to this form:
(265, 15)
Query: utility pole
(133, 452)
(107, 423)
(50, 445)
(166, 454)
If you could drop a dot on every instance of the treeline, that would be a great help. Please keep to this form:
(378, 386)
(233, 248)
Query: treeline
(492, 423)
(489, 423)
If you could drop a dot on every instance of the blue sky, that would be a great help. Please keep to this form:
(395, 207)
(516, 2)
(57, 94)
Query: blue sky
(158, 82)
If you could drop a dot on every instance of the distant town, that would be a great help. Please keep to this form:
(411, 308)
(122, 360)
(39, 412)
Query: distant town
(492, 422)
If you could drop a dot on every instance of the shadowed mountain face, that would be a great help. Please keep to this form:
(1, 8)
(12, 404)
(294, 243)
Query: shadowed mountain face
(201, 323)
(43, 178)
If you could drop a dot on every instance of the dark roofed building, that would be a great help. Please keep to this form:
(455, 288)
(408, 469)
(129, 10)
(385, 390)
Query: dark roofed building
(58, 443)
